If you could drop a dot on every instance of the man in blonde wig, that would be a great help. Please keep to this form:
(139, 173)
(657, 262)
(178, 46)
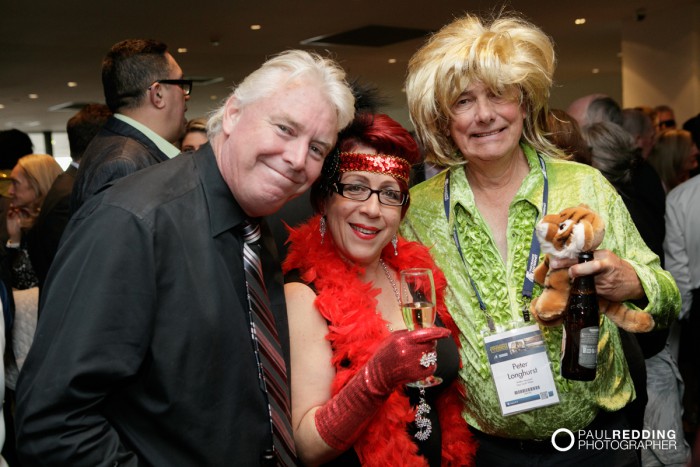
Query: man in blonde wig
(477, 93)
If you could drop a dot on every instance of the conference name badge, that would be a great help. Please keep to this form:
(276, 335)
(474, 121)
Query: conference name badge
(521, 370)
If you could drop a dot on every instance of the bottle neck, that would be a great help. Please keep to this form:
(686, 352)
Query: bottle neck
(585, 256)
(584, 282)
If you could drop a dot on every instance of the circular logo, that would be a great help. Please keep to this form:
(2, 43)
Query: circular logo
(554, 439)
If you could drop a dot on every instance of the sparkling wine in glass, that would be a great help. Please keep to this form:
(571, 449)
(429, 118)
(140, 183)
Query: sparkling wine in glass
(418, 308)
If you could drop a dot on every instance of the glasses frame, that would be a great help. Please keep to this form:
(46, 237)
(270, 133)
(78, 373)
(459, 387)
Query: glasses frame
(184, 84)
(339, 187)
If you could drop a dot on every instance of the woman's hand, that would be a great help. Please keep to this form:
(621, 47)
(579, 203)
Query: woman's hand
(397, 361)
(14, 224)
(615, 279)
(18, 220)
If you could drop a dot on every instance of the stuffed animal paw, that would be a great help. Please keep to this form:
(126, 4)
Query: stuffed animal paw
(565, 235)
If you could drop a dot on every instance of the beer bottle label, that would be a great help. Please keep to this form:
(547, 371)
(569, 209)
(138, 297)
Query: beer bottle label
(588, 347)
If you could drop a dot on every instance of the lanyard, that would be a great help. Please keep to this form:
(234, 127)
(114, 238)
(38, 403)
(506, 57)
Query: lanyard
(533, 256)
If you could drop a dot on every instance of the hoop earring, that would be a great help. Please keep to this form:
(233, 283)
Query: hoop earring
(322, 228)
(395, 242)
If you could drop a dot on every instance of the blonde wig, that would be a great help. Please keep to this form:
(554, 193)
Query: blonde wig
(504, 53)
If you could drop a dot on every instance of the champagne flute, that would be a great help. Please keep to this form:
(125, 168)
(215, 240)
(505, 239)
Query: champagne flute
(418, 308)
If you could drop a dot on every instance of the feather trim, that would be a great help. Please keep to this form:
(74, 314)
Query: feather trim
(356, 331)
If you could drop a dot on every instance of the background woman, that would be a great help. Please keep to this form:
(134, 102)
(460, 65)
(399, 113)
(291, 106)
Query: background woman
(350, 353)
(674, 156)
(477, 93)
(32, 178)
(195, 135)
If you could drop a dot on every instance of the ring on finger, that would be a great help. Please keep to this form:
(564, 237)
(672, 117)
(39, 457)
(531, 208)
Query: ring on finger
(428, 359)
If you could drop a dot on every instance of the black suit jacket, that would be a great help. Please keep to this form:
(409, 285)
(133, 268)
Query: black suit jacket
(648, 207)
(142, 353)
(645, 200)
(44, 236)
(117, 150)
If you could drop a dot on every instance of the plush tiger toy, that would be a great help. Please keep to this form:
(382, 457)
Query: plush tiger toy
(565, 235)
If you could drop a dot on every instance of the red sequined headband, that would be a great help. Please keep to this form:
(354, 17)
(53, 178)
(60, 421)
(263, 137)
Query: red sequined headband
(375, 163)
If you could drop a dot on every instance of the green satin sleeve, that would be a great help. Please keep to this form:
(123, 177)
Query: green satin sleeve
(624, 240)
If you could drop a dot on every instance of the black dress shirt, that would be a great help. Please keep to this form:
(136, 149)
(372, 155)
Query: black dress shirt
(143, 353)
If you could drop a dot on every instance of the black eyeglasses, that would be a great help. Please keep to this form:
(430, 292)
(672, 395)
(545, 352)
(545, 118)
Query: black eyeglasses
(362, 193)
(185, 84)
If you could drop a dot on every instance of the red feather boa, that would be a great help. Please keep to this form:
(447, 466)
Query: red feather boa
(355, 333)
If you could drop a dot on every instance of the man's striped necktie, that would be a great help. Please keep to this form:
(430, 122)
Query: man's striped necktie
(271, 365)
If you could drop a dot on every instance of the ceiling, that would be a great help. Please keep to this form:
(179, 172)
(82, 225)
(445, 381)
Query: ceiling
(44, 44)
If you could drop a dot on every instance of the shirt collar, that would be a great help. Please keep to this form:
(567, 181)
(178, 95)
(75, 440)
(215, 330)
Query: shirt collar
(530, 190)
(532, 187)
(166, 147)
(224, 211)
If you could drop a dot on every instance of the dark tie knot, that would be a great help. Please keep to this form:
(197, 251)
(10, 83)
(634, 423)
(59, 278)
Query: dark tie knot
(251, 231)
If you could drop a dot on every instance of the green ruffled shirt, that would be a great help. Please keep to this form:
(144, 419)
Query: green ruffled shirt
(500, 286)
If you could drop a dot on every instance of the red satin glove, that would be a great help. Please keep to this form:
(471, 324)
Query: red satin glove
(396, 362)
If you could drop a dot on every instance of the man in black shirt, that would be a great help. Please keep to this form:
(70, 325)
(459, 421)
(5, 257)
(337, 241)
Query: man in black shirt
(143, 353)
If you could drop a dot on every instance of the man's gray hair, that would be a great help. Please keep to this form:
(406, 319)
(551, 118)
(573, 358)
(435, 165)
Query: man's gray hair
(284, 68)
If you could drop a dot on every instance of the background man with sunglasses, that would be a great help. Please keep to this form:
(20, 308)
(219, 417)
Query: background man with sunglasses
(143, 87)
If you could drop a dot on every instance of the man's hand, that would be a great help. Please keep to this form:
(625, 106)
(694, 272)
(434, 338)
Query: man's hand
(615, 279)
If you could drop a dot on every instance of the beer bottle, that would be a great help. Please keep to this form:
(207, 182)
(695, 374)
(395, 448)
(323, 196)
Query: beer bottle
(579, 353)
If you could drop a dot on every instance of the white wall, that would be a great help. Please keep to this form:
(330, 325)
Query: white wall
(661, 62)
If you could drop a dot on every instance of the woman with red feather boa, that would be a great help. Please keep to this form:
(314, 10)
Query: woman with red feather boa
(351, 354)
